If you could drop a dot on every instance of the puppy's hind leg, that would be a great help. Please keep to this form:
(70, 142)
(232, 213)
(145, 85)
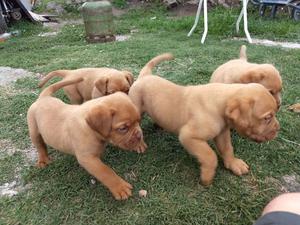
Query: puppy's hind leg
(38, 142)
(202, 151)
(73, 94)
(96, 93)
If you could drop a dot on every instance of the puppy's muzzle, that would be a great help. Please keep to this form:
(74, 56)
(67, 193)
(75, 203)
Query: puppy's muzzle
(136, 137)
(278, 101)
(133, 141)
(267, 137)
(278, 104)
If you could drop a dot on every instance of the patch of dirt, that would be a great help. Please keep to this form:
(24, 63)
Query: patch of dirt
(266, 42)
(122, 37)
(8, 189)
(47, 34)
(8, 75)
(12, 188)
(274, 182)
(9, 91)
(7, 149)
(291, 183)
(288, 183)
(186, 9)
(61, 23)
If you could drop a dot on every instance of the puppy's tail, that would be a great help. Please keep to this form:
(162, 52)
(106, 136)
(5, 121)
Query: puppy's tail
(56, 73)
(55, 87)
(147, 69)
(243, 54)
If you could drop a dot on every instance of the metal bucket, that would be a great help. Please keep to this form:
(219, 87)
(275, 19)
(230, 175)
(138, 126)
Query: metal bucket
(98, 21)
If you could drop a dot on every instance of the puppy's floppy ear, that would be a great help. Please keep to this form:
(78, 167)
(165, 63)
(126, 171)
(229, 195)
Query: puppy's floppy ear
(252, 76)
(128, 76)
(101, 84)
(100, 119)
(238, 111)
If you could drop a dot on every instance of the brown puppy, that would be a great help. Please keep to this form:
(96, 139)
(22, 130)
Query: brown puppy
(97, 82)
(241, 71)
(83, 130)
(204, 112)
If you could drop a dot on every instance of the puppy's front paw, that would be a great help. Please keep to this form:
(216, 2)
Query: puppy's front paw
(43, 162)
(122, 190)
(141, 147)
(237, 166)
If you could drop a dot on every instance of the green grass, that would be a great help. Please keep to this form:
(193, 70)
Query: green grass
(63, 193)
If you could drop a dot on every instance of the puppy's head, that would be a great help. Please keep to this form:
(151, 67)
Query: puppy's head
(252, 113)
(115, 82)
(268, 76)
(117, 120)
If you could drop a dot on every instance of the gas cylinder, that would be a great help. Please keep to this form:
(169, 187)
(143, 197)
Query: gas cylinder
(98, 21)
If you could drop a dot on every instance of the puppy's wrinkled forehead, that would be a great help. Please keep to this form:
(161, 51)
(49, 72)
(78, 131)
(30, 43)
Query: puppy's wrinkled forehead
(125, 109)
(128, 113)
(264, 103)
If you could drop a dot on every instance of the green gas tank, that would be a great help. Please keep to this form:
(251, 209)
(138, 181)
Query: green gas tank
(98, 21)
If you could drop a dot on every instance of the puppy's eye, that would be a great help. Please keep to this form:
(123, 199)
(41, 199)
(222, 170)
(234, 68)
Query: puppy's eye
(123, 129)
(272, 92)
(268, 118)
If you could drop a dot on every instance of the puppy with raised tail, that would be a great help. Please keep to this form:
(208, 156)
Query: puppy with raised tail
(83, 130)
(97, 82)
(204, 112)
(241, 71)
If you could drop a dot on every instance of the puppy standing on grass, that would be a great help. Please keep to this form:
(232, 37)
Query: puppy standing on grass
(241, 71)
(97, 82)
(83, 130)
(204, 112)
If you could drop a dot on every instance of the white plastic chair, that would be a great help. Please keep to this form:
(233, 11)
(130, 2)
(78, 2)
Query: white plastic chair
(243, 13)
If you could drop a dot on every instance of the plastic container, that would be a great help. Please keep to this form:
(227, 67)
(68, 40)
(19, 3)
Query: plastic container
(4, 36)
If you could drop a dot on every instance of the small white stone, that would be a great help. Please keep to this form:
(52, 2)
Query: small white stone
(93, 181)
(142, 193)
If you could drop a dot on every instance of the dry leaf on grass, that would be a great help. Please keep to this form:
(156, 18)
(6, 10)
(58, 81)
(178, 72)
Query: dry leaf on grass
(295, 108)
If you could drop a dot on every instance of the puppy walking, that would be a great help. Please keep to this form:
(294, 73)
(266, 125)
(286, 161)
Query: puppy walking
(241, 71)
(97, 82)
(83, 130)
(204, 112)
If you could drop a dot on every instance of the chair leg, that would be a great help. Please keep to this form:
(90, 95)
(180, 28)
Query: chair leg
(205, 22)
(196, 19)
(273, 11)
(262, 9)
(245, 2)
